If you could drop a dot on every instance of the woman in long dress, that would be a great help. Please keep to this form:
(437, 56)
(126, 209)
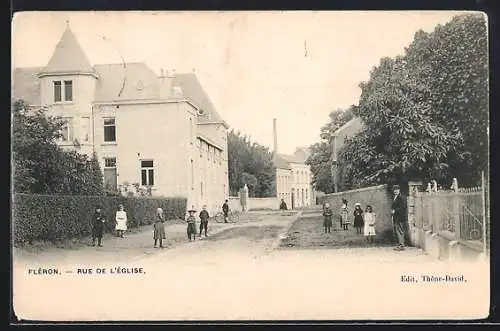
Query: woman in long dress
(121, 221)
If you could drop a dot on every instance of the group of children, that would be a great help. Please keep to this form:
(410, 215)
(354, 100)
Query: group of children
(99, 221)
(364, 222)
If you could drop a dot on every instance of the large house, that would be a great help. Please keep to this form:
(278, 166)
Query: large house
(293, 176)
(158, 132)
(339, 138)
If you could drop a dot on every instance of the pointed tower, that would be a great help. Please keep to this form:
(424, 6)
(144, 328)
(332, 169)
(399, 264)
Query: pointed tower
(67, 86)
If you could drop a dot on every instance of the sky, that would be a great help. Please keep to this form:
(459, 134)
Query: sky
(296, 67)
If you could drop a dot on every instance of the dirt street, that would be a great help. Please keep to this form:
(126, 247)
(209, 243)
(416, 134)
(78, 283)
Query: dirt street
(237, 273)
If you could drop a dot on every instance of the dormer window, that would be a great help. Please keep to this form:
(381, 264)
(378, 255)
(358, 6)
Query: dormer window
(58, 90)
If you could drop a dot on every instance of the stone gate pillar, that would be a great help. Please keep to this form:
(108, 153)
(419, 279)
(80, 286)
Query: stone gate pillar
(413, 227)
(244, 198)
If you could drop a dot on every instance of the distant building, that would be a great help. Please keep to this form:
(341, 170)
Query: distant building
(339, 138)
(162, 133)
(293, 176)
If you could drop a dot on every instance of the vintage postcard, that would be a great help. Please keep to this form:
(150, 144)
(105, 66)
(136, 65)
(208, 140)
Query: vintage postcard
(194, 166)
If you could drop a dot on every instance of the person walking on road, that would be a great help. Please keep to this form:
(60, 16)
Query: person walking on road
(399, 217)
(225, 210)
(159, 228)
(204, 216)
(327, 218)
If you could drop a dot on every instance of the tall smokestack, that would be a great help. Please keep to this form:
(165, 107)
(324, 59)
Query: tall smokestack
(275, 133)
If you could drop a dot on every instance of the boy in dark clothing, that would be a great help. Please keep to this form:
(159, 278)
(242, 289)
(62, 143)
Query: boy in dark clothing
(225, 210)
(204, 216)
(98, 221)
(328, 216)
(191, 222)
(283, 205)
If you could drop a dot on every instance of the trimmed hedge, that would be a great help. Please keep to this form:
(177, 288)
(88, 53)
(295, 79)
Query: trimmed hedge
(59, 217)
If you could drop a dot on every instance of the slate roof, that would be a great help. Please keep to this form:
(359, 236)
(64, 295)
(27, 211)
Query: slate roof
(192, 89)
(25, 85)
(116, 82)
(68, 56)
(129, 81)
(281, 163)
(302, 153)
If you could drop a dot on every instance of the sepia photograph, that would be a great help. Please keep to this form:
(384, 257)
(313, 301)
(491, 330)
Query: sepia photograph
(250, 166)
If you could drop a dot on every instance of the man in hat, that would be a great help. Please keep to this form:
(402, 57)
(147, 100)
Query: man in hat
(204, 216)
(399, 217)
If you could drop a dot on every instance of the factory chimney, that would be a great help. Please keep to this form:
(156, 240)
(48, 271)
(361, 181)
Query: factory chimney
(275, 133)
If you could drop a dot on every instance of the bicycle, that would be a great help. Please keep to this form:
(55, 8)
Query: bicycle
(232, 217)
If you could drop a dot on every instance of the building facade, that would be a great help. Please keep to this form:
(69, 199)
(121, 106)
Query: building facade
(339, 138)
(161, 133)
(294, 180)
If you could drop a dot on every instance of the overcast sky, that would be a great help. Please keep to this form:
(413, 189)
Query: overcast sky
(255, 66)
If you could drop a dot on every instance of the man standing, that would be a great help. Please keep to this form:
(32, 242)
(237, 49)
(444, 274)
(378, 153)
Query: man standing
(204, 220)
(225, 210)
(399, 217)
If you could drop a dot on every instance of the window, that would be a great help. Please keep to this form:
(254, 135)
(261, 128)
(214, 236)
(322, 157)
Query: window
(110, 176)
(109, 129)
(57, 91)
(201, 189)
(147, 173)
(85, 128)
(67, 129)
(68, 90)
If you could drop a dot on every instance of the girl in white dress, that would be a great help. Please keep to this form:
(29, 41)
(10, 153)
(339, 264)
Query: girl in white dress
(369, 226)
(121, 221)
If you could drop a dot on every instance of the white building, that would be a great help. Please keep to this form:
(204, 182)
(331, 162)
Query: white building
(160, 132)
(293, 176)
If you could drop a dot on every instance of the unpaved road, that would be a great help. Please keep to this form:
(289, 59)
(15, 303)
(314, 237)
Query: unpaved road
(237, 274)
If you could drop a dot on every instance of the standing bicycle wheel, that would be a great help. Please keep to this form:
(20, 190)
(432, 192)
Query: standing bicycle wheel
(234, 217)
(219, 217)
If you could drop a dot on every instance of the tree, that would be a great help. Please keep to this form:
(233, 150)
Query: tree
(250, 164)
(425, 113)
(320, 159)
(40, 165)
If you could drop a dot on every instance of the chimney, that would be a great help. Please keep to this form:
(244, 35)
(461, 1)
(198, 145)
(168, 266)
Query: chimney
(275, 133)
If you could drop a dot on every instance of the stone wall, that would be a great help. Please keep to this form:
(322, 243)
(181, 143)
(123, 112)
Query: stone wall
(377, 196)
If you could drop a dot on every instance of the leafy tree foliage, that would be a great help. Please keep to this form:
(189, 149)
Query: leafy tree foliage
(320, 159)
(425, 113)
(40, 165)
(250, 164)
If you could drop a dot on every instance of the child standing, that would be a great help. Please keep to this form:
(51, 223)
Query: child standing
(159, 228)
(97, 226)
(121, 221)
(344, 216)
(191, 224)
(369, 224)
(358, 218)
(328, 215)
